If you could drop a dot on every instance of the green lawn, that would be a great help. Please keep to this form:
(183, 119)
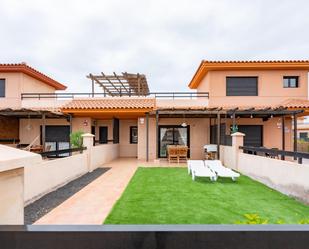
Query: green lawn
(169, 196)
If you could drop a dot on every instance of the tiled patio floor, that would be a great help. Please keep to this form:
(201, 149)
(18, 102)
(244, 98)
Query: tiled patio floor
(92, 204)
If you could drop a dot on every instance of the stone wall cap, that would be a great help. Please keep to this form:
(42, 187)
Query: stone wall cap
(87, 135)
(238, 134)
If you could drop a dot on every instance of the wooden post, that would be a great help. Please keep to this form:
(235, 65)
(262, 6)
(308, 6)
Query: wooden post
(283, 135)
(295, 134)
(210, 131)
(92, 88)
(234, 120)
(43, 131)
(70, 120)
(157, 134)
(147, 136)
(218, 135)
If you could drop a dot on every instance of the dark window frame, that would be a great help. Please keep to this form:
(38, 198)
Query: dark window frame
(226, 86)
(289, 83)
(173, 126)
(4, 87)
(131, 134)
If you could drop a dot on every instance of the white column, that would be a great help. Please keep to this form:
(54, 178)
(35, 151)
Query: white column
(237, 140)
(88, 142)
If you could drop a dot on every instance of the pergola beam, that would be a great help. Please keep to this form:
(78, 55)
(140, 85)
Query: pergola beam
(125, 84)
(111, 82)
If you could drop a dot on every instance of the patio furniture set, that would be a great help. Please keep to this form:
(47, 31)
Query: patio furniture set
(177, 153)
(211, 169)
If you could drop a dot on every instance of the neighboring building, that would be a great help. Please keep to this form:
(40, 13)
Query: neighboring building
(303, 129)
(254, 96)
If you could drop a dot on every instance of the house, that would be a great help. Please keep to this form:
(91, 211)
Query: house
(259, 98)
(303, 129)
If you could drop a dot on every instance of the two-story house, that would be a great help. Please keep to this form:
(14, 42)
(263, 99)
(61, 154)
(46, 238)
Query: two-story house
(259, 98)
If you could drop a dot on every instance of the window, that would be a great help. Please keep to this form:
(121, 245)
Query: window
(303, 135)
(241, 86)
(2, 88)
(133, 135)
(290, 81)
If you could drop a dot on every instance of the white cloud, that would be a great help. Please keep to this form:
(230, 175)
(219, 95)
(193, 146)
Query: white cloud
(166, 40)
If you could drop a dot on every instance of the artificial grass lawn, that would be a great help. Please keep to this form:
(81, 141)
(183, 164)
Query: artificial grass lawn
(169, 196)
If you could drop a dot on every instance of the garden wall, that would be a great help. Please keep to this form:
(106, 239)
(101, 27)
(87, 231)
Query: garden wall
(103, 153)
(48, 175)
(287, 177)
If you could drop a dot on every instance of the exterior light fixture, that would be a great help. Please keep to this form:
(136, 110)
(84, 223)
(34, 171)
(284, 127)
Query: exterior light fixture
(271, 116)
(251, 116)
(141, 120)
(184, 124)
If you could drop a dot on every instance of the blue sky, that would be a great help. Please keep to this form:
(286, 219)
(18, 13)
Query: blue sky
(166, 40)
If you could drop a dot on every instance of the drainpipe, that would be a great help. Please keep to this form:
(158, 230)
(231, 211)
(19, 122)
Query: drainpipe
(147, 136)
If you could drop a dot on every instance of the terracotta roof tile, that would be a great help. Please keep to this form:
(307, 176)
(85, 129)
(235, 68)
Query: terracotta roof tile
(24, 68)
(111, 103)
(296, 103)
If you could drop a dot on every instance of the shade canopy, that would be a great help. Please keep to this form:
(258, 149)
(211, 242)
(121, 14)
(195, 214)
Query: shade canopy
(126, 84)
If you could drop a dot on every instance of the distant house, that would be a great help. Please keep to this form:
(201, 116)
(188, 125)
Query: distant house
(259, 98)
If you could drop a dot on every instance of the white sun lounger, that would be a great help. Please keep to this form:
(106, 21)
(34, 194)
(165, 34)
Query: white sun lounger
(221, 171)
(198, 169)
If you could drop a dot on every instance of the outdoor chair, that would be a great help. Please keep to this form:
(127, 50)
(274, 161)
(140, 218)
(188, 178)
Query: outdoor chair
(198, 169)
(221, 171)
(182, 152)
(172, 154)
(273, 154)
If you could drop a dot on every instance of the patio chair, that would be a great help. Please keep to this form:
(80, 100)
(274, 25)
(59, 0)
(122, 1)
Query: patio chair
(197, 169)
(182, 152)
(220, 170)
(172, 154)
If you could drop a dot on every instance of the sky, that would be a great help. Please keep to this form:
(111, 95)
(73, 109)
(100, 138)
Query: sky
(165, 40)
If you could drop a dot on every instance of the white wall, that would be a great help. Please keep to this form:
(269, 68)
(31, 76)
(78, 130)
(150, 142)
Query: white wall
(287, 177)
(48, 175)
(103, 153)
(12, 164)
(227, 156)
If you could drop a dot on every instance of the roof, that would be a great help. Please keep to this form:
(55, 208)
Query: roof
(111, 103)
(296, 103)
(24, 68)
(206, 66)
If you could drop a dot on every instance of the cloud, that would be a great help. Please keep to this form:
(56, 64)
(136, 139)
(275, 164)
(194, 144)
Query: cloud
(166, 40)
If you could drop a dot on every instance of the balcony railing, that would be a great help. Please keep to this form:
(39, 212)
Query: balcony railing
(166, 95)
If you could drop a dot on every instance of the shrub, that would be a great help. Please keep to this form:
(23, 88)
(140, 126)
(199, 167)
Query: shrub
(76, 139)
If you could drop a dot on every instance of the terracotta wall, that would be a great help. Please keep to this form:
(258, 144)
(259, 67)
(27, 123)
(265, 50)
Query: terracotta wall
(17, 83)
(270, 87)
(126, 149)
(13, 83)
(272, 133)
(9, 128)
(27, 135)
(199, 136)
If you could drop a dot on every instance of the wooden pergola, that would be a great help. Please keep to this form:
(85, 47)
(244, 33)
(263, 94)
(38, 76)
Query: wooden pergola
(126, 84)
(218, 112)
(26, 113)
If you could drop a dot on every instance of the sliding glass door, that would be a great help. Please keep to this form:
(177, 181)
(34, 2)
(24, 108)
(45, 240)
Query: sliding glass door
(172, 135)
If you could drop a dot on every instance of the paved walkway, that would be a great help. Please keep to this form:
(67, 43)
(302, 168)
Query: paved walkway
(92, 204)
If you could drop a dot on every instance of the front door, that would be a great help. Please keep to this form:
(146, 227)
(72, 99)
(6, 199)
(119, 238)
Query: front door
(172, 135)
(103, 135)
(254, 135)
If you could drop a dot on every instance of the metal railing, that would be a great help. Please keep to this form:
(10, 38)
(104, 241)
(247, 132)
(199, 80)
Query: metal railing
(155, 236)
(275, 153)
(58, 153)
(168, 95)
